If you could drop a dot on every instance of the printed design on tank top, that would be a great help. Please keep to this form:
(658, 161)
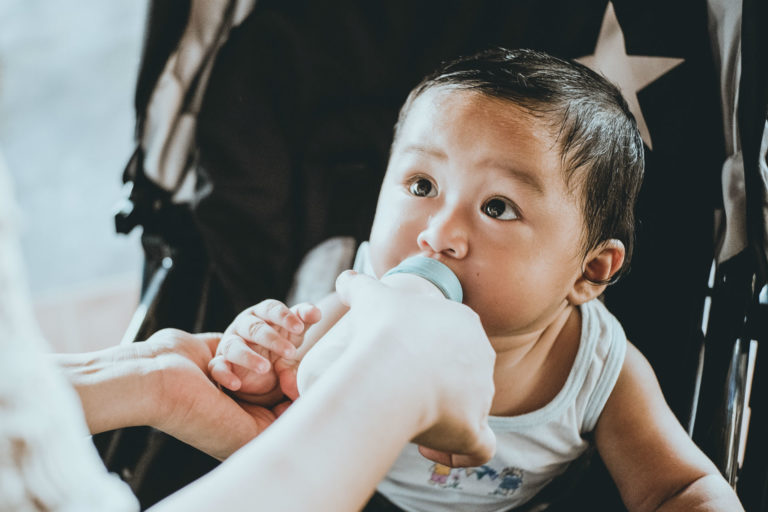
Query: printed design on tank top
(507, 481)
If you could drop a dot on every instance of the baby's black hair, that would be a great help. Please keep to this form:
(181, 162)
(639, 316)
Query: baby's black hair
(596, 132)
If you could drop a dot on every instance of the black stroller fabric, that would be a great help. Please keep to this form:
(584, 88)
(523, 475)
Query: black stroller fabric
(295, 129)
(294, 133)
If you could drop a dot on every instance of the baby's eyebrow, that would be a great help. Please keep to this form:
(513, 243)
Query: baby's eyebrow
(425, 150)
(527, 178)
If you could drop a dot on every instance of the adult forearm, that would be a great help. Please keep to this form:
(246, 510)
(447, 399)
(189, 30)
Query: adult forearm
(113, 386)
(710, 493)
(348, 424)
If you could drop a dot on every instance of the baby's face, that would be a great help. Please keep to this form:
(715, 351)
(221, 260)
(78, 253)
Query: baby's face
(478, 184)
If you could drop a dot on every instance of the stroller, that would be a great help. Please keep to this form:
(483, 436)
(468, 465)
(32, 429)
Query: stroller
(265, 131)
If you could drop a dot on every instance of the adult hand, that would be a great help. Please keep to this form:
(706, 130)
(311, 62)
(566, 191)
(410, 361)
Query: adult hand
(191, 407)
(163, 382)
(444, 355)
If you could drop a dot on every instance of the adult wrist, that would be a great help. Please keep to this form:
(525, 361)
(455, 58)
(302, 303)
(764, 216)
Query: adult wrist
(407, 379)
(146, 374)
(115, 386)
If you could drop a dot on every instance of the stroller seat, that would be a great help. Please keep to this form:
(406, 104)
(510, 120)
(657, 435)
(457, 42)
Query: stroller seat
(293, 115)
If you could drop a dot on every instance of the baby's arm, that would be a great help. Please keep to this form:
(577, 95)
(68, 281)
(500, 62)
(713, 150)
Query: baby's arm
(654, 463)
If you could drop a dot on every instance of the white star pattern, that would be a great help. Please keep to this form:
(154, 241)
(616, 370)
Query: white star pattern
(631, 73)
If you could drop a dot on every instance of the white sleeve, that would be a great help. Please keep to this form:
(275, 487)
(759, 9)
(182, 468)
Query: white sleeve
(47, 460)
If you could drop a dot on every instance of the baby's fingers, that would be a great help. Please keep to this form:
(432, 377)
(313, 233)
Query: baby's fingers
(235, 350)
(309, 314)
(278, 314)
(221, 372)
(255, 330)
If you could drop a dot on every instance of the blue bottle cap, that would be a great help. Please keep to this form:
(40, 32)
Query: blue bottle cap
(433, 271)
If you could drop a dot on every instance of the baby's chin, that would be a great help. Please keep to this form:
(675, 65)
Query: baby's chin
(505, 340)
(497, 323)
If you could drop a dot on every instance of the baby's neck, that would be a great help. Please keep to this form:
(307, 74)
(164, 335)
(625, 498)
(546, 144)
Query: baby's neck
(531, 368)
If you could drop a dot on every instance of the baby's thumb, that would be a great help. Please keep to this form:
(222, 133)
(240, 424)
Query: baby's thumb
(352, 286)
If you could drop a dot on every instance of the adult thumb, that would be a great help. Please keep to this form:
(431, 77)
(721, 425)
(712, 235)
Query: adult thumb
(352, 286)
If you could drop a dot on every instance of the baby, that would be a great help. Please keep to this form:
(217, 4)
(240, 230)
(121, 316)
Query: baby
(519, 171)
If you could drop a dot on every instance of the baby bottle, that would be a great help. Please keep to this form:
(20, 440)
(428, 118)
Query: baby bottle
(417, 274)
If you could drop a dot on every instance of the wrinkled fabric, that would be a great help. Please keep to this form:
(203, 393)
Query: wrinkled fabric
(169, 133)
(47, 461)
(725, 33)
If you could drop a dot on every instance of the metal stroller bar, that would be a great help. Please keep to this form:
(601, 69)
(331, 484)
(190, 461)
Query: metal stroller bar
(720, 411)
(740, 301)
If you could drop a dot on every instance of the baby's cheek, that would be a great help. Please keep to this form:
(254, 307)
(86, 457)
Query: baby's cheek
(380, 268)
(498, 312)
(378, 258)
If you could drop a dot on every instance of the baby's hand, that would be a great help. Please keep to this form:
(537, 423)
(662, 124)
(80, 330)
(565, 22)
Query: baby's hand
(257, 346)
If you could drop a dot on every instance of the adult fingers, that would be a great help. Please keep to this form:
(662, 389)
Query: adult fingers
(286, 374)
(211, 339)
(438, 456)
(481, 452)
(280, 408)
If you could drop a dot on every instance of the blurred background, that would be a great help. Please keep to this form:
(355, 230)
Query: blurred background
(67, 77)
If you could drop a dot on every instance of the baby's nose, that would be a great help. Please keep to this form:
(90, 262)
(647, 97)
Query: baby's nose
(446, 235)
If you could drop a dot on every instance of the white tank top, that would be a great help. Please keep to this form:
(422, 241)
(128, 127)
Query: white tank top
(532, 448)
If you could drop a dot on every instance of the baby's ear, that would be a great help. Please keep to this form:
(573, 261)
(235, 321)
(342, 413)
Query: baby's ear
(600, 265)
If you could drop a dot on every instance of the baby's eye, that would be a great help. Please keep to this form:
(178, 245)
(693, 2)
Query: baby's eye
(422, 187)
(500, 208)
